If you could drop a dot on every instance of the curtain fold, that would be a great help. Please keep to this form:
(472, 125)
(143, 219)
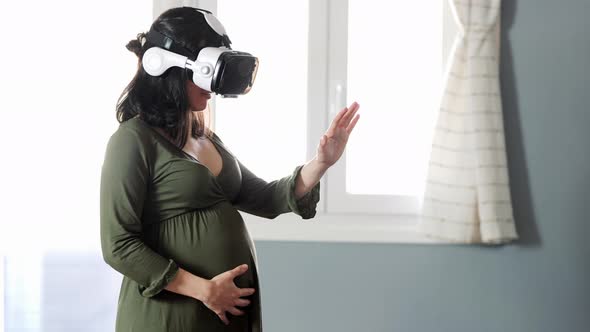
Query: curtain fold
(467, 194)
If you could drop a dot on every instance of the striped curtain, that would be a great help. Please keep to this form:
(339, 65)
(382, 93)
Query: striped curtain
(467, 194)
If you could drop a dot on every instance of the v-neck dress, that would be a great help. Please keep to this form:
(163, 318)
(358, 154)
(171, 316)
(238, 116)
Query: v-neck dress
(161, 209)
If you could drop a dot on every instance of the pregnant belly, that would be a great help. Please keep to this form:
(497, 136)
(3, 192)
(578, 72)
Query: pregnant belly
(207, 242)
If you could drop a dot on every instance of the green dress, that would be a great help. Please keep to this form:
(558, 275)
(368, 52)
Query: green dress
(160, 209)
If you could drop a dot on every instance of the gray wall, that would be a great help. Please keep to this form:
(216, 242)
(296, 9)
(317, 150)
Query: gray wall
(539, 284)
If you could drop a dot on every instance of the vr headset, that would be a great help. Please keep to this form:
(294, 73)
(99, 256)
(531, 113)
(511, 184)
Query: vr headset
(220, 70)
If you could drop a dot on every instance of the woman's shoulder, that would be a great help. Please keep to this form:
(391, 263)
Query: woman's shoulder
(127, 149)
(138, 128)
(134, 124)
(132, 134)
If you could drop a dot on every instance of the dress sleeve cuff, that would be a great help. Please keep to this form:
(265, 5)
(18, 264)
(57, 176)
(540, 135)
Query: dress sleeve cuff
(159, 284)
(306, 205)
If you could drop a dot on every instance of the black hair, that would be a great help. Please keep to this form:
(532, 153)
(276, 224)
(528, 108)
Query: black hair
(162, 101)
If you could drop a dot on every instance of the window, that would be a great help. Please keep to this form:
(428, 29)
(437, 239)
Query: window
(266, 128)
(311, 66)
(400, 98)
(316, 57)
(393, 74)
(65, 66)
(66, 72)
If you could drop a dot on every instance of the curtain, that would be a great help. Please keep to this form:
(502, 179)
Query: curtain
(467, 194)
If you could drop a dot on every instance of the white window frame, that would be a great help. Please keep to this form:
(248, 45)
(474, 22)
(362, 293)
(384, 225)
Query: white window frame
(340, 217)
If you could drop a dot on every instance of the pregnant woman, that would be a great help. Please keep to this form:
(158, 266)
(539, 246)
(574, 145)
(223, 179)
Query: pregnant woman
(171, 190)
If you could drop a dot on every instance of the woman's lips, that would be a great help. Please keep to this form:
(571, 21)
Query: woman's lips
(208, 94)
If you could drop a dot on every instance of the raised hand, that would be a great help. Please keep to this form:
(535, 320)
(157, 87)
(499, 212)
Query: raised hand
(333, 142)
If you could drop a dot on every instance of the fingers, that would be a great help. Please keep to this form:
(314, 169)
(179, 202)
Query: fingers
(336, 119)
(235, 311)
(229, 300)
(348, 115)
(246, 291)
(242, 302)
(241, 269)
(232, 310)
(352, 124)
(223, 318)
(343, 117)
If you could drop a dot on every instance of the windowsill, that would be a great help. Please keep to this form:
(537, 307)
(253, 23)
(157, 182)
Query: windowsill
(338, 228)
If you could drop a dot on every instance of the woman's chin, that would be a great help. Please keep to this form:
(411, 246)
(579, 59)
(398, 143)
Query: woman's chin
(200, 108)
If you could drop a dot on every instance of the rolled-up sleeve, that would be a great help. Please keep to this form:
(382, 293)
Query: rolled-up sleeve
(125, 177)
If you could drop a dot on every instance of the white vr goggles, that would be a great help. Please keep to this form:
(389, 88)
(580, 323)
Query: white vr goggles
(220, 70)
